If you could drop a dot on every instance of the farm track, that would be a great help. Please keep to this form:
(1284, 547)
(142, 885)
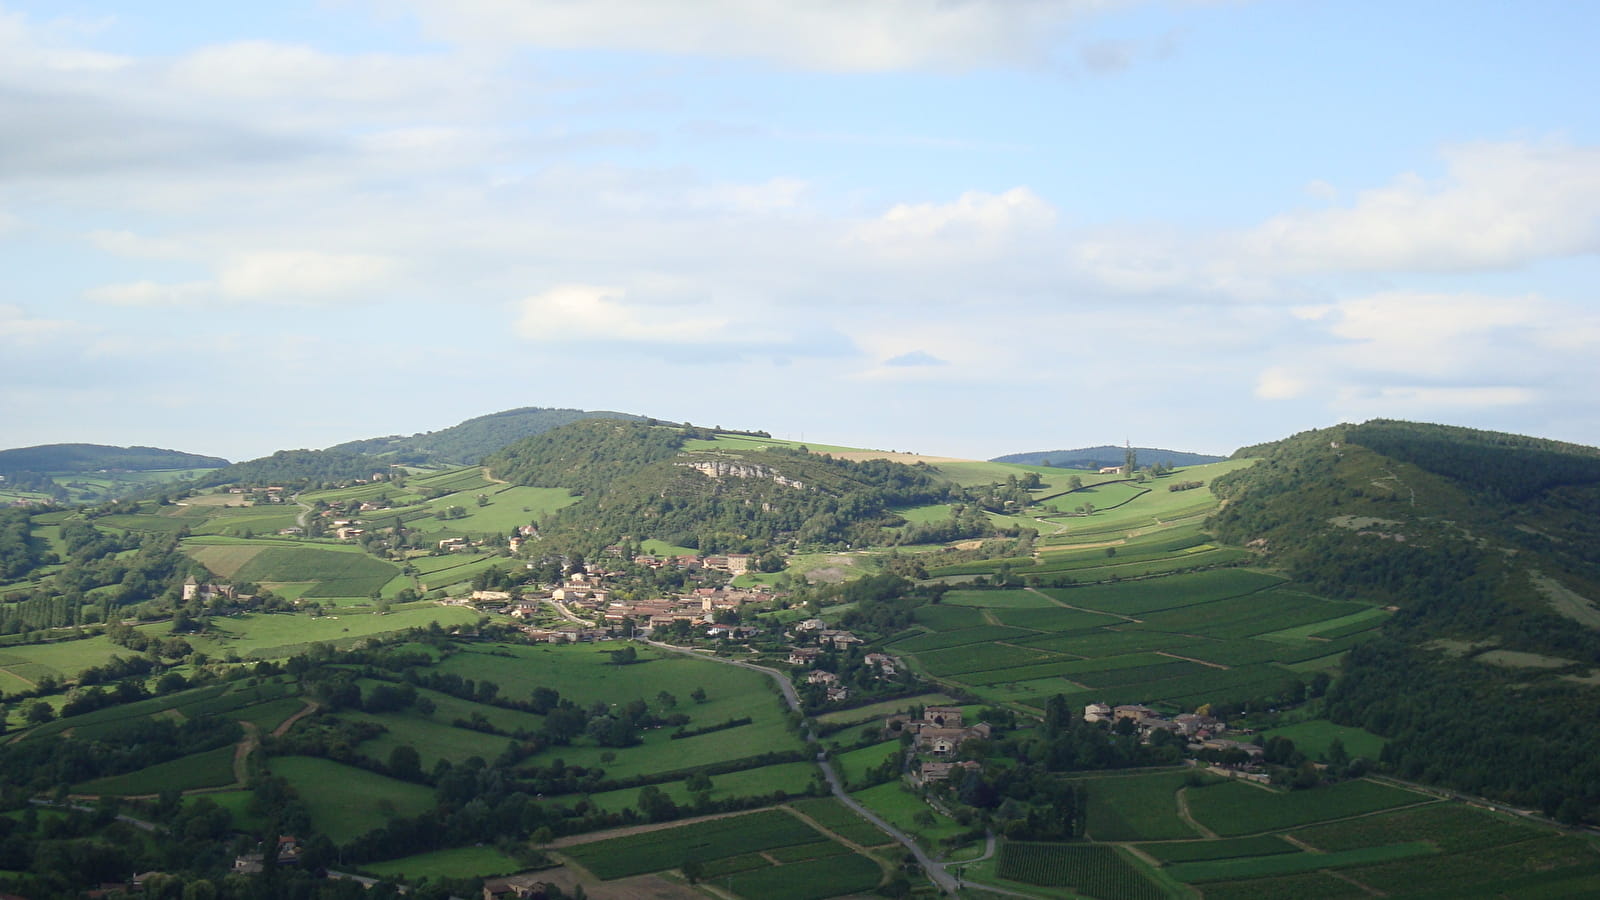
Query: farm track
(1190, 820)
(311, 706)
(1101, 612)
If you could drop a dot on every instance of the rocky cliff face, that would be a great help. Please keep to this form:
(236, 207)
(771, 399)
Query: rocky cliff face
(727, 468)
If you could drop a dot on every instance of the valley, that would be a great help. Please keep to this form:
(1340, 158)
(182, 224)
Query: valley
(1275, 675)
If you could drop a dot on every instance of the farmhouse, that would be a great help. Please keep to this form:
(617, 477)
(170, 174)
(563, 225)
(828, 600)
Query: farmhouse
(1097, 712)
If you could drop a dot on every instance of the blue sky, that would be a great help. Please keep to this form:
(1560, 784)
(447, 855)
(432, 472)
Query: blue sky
(959, 227)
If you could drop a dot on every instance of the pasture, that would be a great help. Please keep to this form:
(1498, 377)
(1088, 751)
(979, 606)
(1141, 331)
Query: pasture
(277, 635)
(789, 779)
(213, 768)
(901, 808)
(346, 802)
(583, 673)
(1314, 737)
(432, 740)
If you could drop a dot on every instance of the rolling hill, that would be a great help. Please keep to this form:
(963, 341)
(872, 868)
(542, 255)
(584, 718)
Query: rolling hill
(81, 458)
(1095, 458)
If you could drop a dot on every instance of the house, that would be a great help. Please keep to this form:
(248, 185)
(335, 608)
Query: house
(941, 771)
(837, 692)
(821, 677)
(811, 625)
(739, 563)
(942, 716)
(1135, 712)
(803, 656)
(839, 639)
(521, 887)
(1097, 712)
(1223, 745)
(491, 596)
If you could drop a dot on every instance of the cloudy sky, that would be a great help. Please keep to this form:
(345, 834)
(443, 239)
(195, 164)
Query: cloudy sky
(961, 227)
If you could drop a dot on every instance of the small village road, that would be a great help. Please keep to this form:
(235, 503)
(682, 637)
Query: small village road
(945, 881)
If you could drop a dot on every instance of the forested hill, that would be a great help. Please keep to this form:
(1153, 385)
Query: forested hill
(466, 443)
(1489, 545)
(472, 440)
(1094, 458)
(79, 458)
(637, 481)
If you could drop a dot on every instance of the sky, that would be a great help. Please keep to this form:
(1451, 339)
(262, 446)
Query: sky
(953, 227)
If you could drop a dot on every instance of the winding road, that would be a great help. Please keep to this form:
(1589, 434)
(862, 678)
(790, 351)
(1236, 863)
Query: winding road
(942, 878)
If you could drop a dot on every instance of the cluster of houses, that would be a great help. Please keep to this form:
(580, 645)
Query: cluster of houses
(732, 563)
(939, 734)
(583, 595)
(1202, 732)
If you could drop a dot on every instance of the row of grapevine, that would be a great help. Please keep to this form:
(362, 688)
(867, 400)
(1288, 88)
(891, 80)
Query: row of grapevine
(1097, 870)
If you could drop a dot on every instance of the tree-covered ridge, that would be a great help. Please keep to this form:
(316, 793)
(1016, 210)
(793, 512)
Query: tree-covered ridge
(1514, 467)
(475, 438)
(636, 481)
(1459, 529)
(585, 457)
(1106, 455)
(77, 458)
(297, 467)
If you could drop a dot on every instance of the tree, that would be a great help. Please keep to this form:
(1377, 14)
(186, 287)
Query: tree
(698, 695)
(405, 762)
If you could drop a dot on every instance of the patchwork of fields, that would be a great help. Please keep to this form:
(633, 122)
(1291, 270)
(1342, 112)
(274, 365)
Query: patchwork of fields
(1182, 640)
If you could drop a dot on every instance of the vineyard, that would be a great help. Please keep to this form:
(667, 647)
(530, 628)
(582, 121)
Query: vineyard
(1093, 869)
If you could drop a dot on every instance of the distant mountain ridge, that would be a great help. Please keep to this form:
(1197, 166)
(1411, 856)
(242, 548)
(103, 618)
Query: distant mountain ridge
(1104, 456)
(81, 458)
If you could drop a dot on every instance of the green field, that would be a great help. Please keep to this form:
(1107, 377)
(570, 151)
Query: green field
(790, 779)
(509, 507)
(272, 635)
(213, 768)
(583, 674)
(461, 862)
(656, 851)
(841, 820)
(346, 802)
(338, 572)
(1292, 863)
(1137, 807)
(808, 880)
(1000, 599)
(1314, 737)
(899, 807)
(1223, 848)
(854, 765)
(433, 740)
(1094, 869)
(877, 711)
(1451, 827)
(1235, 808)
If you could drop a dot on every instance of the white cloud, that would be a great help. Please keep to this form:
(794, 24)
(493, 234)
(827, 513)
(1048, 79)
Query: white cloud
(301, 274)
(835, 35)
(1502, 204)
(976, 224)
(18, 327)
(1418, 354)
(129, 245)
(150, 293)
(588, 312)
